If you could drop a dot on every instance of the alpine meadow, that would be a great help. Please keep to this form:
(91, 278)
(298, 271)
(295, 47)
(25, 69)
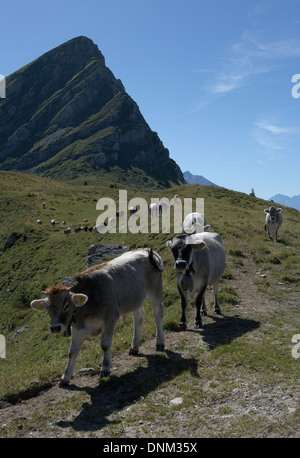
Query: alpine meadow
(235, 377)
(70, 137)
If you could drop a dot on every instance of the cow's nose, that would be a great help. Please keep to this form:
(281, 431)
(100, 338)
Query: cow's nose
(181, 265)
(55, 329)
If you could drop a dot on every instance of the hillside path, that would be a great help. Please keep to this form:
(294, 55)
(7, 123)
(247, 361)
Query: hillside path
(103, 409)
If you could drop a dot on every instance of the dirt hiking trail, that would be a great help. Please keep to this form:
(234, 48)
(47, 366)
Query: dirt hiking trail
(118, 406)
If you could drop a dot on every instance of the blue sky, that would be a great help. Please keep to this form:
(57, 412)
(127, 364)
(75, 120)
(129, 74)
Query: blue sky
(212, 78)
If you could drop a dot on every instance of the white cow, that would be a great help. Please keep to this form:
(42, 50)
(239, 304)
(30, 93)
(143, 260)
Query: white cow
(154, 210)
(273, 221)
(194, 223)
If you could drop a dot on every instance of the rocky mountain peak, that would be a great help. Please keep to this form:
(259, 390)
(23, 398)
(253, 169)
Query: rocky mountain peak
(65, 114)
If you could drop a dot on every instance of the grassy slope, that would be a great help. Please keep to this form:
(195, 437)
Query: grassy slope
(44, 255)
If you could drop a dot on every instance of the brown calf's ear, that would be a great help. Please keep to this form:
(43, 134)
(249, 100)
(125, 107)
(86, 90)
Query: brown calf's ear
(79, 298)
(38, 304)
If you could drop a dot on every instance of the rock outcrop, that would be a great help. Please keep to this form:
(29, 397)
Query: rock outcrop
(65, 114)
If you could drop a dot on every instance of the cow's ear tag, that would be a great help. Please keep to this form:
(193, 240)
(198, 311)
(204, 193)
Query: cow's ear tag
(79, 299)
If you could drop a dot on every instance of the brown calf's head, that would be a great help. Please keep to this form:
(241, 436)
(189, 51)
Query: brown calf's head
(60, 303)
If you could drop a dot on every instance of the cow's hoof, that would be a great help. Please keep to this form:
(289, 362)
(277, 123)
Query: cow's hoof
(104, 374)
(203, 313)
(160, 347)
(182, 327)
(198, 325)
(218, 312)
(63, 383)
(133, 352)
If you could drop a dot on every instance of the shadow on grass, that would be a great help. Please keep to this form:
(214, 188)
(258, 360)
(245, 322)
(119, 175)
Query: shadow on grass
(115, 393)
(222, 331)
(225, 329)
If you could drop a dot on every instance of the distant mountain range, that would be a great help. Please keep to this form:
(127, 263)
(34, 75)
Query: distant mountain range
(293, 202)
(65, 115)
(197, 179)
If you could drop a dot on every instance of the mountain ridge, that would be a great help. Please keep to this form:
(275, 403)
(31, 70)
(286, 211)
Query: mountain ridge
(197, 179)
(66, 115)
(282, 199)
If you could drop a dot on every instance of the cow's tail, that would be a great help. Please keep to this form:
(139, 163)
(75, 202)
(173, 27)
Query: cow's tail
(155, 260)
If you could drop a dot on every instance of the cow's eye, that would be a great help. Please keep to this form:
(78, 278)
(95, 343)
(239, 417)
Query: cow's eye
(65, 305)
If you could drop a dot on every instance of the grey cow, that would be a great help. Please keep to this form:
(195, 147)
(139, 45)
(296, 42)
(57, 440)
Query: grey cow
(199, 262)
(97, 297)
(273, 221)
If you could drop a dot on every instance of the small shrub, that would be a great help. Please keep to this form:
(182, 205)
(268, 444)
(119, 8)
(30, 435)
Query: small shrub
(23, 297)
(275, 260)
(236, 252)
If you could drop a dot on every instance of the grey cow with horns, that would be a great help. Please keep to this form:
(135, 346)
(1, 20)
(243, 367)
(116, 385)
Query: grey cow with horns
(199, 262)
(97, 297)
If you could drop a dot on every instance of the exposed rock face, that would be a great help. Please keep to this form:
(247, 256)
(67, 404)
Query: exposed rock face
(66, 114)
(14, 236)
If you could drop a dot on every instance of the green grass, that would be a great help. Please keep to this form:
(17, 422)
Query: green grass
(43, 256)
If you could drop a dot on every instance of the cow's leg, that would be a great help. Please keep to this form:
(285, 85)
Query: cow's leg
(184, 304)
(217, 309)
(273, 233)
(76, 343)
(198, 303)
(203, 309)
(105, 342)
(157, 309)
(276, 230)
(138, 319)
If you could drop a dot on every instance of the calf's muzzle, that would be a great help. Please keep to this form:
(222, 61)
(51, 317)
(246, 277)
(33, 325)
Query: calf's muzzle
(181, 265)
(55, 329)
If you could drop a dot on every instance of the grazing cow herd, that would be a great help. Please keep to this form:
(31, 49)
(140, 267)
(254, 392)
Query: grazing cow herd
(93, 300)
(68, 230)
